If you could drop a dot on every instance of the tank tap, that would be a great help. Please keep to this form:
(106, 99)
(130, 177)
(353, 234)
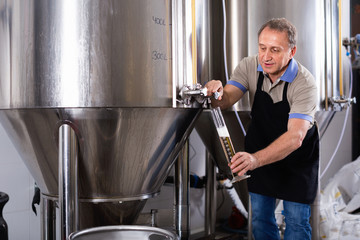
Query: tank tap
(340, 103)
(353, 43)
(189, 94)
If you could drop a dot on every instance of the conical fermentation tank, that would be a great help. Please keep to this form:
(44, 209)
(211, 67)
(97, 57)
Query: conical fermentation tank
(104, 68)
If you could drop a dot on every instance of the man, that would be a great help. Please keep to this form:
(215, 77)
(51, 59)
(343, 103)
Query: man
(282, 143)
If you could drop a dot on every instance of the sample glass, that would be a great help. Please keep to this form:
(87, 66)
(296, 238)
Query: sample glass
(225, 140)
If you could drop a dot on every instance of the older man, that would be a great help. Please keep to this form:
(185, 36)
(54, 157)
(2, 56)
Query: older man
(282, 143)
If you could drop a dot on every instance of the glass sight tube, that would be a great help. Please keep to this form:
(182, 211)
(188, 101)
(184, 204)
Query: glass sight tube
(225, 140)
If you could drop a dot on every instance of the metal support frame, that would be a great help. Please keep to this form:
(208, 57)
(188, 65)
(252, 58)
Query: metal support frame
(68, 179)
(249, 234)
(315, 208)
(48, 222)
(210, 197)
(182, 186)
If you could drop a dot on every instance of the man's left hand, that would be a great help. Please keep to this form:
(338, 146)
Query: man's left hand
(243, 162)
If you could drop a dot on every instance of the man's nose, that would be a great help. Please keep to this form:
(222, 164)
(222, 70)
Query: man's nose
(267, 55)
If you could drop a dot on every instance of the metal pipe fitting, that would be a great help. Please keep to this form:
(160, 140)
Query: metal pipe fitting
(68, 179)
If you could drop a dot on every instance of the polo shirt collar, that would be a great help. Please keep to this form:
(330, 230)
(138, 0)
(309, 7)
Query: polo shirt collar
(290, 72)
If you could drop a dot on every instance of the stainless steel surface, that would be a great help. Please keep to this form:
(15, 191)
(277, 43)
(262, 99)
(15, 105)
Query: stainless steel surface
(68, 181)
(125, 153)
(105, 68)
(323, 118)
(249, 233)
(332, 48)
(190, 49)
(237, 45)
(195, 95)
(315, 219)
(236, 22)
(110, 213)
(124, 233)
(182, 194)
(237, 32)
(48, 221)
(85, 53)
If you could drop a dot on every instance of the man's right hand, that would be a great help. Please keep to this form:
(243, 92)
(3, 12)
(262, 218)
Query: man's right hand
(215, 86)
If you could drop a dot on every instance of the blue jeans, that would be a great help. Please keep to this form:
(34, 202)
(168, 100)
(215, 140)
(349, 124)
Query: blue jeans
(264, 225)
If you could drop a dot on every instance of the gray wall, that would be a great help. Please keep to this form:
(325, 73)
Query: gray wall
(16, 181)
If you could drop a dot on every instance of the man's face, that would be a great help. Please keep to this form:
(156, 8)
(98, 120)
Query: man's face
(274, 52)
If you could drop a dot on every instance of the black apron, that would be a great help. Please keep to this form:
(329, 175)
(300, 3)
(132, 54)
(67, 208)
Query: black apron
(294, 178)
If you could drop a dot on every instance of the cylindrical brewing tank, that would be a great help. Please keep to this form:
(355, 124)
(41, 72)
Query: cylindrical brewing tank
(106, 69)
(85, 54)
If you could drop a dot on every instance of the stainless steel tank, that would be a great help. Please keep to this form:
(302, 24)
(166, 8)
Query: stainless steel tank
(85, 54)
(123, 233)
(105, 68)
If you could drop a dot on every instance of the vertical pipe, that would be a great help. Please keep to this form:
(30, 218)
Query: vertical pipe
(210, 198)
(315, 206)
(249, 220)
(193, 41)
(68, 190)
(182, 186)
(341, 84)
(315, 217)
(328, 53)
(48, 221)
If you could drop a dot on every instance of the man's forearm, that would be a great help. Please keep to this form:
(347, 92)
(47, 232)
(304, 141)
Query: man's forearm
(279, 149)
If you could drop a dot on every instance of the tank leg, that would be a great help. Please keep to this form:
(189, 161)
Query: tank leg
(48, 219)
(68, 179)
(315, 208)
(249, 235)
(182, 183)
(210, 200)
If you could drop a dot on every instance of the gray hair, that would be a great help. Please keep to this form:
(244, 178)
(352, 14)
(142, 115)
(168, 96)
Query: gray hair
(282, 25)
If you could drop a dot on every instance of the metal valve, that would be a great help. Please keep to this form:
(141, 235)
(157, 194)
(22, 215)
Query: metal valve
(198, 93)
(340, 103)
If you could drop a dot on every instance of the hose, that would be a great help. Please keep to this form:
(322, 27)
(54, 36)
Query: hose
(344, 125)
(235, 197)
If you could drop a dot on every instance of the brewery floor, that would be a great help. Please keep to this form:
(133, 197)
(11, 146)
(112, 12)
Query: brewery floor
(223, 233)
(222, 236)
(232, 228)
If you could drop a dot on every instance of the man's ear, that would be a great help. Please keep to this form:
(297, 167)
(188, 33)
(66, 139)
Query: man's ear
(292, 52)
